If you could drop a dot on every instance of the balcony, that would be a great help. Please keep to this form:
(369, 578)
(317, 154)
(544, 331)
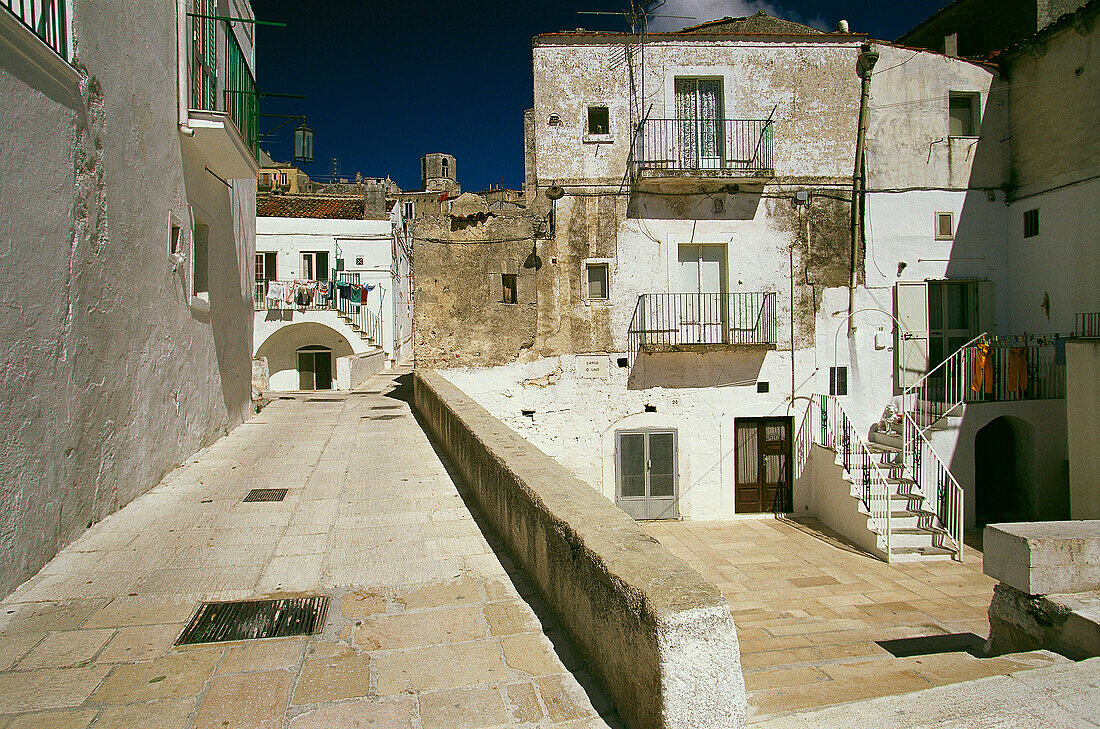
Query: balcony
(702, 322)
(675, 152)
(1024, 367)
(46, 19)
(342, 295)
(221, 97)
(1086, 325)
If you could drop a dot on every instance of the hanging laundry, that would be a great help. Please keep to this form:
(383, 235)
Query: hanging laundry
(983, 370)
(289, 292)
(323, 289)
(275, 291)
(1017, 369)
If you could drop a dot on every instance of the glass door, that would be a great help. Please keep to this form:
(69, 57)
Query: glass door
(701, 304)
(763, 453)
(646, 467)
(699, 123)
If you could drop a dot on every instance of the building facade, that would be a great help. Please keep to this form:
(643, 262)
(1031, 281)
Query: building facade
(129, 241)
(718, 277)
(312, 331)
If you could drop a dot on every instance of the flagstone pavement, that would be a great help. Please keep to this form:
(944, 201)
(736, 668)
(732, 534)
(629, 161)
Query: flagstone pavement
(430, 625)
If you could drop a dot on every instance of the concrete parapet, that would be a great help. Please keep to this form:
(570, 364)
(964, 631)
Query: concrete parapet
(660, 638)
(1049, 591)
(361, 367)
(1041, 558)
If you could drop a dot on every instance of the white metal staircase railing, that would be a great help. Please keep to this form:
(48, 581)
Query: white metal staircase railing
(869, 483)
(923, 404)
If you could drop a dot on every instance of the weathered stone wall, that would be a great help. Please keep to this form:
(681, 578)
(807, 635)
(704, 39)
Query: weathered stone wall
(659, 637)
(111, 377)
(459, 317)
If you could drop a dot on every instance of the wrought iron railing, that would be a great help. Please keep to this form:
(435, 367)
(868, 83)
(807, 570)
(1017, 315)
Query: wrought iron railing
(46, 19)
(667, 321)
(706, 145)
(870, 483)
(933, 481)
(207, 63)
(1015, 368)
(350, 304)
(1086, 324)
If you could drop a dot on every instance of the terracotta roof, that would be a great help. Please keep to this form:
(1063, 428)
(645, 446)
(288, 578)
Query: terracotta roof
(760, 23)
(309, 206)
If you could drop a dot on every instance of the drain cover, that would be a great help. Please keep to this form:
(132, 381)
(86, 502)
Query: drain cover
(265, 495)
(323, 399)
(380, 417)
(218, 622)
(385, 407)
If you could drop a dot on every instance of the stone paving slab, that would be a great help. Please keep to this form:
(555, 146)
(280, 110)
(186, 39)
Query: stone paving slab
(812, 612)
(429, 626)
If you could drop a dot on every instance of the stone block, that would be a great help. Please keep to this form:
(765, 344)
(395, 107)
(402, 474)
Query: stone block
(1042, 558)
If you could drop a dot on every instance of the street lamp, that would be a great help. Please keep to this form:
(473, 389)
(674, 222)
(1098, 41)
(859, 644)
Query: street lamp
(303, 144)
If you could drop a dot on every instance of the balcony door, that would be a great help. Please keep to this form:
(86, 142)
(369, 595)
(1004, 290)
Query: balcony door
(699, 123)
(701, 303)
(315, 265)
(646, 466)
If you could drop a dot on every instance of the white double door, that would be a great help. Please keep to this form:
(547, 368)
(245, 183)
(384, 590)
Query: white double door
(702, 306)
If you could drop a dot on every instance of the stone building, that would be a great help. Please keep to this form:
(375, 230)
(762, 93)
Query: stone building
(977, 28)
(128, 244)
(720, 285)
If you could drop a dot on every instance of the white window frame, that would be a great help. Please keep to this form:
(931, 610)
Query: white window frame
(951, 217)
(591, 262)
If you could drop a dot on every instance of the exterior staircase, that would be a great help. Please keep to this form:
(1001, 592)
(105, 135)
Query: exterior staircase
(906, 523)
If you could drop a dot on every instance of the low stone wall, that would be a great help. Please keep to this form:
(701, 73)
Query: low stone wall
(361, 367)
(1049, 591)
(659, 637)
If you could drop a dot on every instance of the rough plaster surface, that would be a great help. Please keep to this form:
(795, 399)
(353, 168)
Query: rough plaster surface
(1066, 623)
(660, 638)
(110, 377)
(1083, 392)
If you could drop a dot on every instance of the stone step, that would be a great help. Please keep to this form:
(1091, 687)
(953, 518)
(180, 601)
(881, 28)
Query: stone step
(929, 551)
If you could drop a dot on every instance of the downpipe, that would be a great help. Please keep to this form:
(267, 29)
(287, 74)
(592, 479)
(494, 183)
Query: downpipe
(864, 65)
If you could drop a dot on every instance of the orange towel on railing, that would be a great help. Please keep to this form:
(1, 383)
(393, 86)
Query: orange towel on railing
(1017, 369)
(983, 370)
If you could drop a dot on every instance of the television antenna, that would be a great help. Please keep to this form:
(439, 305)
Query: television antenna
(639, 14)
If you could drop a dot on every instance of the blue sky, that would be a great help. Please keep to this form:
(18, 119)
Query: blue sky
(388, 81)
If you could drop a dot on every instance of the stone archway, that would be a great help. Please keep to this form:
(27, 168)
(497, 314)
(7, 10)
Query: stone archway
(282, 347)
(1004, 457)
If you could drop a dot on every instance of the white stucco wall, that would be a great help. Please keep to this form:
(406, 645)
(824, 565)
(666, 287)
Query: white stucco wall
(1083, 427)
(110, 376)
(280, 333)
(367, 247)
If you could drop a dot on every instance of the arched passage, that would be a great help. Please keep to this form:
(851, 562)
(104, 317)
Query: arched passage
(282, 350)
(1004, 455)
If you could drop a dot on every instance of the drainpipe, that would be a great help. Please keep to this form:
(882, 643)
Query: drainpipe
(866, 62)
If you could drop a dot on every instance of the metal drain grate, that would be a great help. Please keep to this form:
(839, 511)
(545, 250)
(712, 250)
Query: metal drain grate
(324, 399)
(380, 417)
(385, 407)
(219, 622)
(265, 495)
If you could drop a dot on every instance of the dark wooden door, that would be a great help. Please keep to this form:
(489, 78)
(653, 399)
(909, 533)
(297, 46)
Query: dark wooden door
(763, 454)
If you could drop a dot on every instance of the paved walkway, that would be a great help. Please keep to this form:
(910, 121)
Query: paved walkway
(428, 627)
(814, 616)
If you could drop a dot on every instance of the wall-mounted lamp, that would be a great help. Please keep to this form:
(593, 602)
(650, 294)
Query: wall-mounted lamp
(303, 144)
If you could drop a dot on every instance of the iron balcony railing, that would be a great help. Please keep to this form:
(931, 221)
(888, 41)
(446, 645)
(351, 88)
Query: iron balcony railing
(219, 76)
(710, 146)
(46, 19)
(668, 321)
(1086, 325)
(296, 294)
(1015, 368)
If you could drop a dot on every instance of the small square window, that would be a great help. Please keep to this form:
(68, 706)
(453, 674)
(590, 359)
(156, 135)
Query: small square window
(597, 280)
(508, 288)
(359, 260)
(838, 380)
(945, 226)
(963, 113)
(175, 237)
(1031, 223)
(598, 120)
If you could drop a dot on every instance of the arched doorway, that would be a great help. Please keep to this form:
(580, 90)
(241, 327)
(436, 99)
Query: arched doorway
(1003, 460)
(296, 356)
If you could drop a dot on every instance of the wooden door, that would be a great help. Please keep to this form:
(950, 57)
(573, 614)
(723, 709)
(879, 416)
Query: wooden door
(763, 455)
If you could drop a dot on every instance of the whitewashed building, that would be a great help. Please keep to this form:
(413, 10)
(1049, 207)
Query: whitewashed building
(127, 225)
(351, 314)
(707, 345)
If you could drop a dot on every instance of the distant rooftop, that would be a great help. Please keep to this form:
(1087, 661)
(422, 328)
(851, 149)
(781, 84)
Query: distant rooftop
(759, 24)
(270, 205)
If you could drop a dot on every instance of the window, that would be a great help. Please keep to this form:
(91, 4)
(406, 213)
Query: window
(175, 235)
(46, 19)
(963, 112)
(282, 178)
(508, 288)
(203, 60)
(408, 210)
(838, 380)
(315, 265)
(598, 120)
(358, 260)
(444, 166)
(1031, 223)
(596, 273)
(200, 287)
(945, 226)
(265, 266)
(699, 140)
